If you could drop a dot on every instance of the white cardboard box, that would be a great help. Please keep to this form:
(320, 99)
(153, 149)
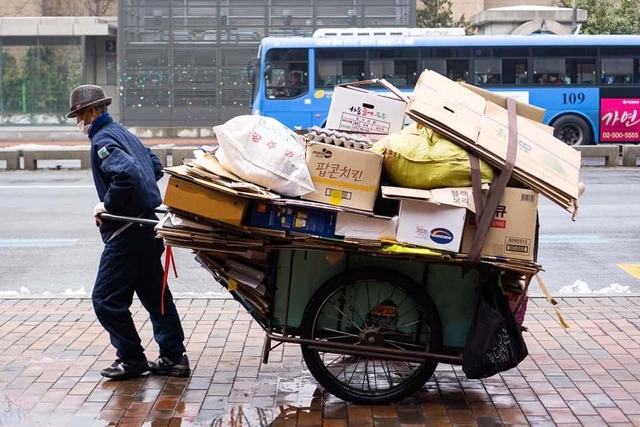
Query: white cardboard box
(432, 226)
(431, 218)
(358, 110)
(343, 176)
(361, 227)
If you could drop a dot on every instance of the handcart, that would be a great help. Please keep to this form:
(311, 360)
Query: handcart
(372, 328)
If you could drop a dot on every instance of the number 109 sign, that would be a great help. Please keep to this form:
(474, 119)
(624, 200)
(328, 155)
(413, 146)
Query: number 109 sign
(620, 120)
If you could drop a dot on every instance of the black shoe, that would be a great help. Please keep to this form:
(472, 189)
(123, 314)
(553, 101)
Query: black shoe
(122, 370)
(176, 367)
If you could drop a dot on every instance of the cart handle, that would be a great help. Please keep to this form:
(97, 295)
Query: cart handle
(130, 219)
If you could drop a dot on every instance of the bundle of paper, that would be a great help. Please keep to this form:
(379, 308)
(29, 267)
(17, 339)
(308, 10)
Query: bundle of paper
(185, 232)
(207, 172)
(543, 163)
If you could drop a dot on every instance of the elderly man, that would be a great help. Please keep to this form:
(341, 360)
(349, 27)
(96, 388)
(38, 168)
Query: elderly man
(125, 173)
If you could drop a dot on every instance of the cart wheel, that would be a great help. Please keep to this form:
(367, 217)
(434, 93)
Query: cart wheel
(371, 307)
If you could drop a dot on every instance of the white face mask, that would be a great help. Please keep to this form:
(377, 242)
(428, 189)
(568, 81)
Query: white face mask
(84, 128)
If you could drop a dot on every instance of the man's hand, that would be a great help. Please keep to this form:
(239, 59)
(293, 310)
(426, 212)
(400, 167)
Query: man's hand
(99, 209)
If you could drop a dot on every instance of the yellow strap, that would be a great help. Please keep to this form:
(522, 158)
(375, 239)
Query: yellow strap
(233, 284)
(552, 301)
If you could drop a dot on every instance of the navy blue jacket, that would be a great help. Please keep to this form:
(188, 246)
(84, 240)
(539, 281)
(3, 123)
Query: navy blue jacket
(125, 172)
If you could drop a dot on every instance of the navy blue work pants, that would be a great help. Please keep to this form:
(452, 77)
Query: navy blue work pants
(131, 262)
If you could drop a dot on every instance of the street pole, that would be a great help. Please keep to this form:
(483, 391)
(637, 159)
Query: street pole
(574, 17)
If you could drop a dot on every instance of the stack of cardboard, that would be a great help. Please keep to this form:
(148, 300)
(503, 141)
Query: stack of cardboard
(234, 225)
(473, 119)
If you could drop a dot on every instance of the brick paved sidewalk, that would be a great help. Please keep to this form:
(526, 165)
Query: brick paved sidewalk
(51, 352)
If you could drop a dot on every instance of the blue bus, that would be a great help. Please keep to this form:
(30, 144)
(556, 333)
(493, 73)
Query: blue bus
(589, 85)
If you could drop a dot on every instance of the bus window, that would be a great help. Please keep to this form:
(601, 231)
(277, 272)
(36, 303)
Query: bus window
(580, 71)
(339, 66)
(549, 71)
(616, 71)
(286, 73)
(514, 71)
(456, 69)
(437, 65)
(488, 71)
(397, 66)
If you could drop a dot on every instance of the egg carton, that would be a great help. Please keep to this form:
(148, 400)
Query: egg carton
(337, 138)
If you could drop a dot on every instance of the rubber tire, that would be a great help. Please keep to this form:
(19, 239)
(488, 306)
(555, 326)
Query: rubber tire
(420, 296)
(585, 128)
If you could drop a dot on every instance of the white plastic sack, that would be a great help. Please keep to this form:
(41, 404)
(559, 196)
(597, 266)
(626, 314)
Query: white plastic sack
(264, 151)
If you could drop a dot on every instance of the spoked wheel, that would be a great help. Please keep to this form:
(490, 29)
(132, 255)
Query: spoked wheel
(366, 308)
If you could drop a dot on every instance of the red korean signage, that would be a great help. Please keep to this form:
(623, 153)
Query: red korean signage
(620, 120)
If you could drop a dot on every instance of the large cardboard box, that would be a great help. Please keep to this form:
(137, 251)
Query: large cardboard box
(298, 219)
(361, 227)
(513, 229)
(205, 202)
(431, 218)
(343, 176)
(355, 109)
(543, 162)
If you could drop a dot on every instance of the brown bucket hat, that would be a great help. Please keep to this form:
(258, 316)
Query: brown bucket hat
(86, 96)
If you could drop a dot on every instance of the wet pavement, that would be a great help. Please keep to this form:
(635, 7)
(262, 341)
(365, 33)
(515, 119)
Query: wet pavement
(51, 352)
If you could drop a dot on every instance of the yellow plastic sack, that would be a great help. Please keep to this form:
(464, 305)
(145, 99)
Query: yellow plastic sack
(419, 157)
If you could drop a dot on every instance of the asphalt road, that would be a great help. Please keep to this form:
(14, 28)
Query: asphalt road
(49, 244)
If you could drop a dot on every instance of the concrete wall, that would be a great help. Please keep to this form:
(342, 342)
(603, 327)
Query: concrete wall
(101, 69)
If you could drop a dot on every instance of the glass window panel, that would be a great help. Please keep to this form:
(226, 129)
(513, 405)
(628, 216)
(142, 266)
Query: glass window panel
(437, 65)
(458, 70)
(514, 71)
(581, 71)
(287, 74)
(564, 52)
(488, 71)
(617, 70)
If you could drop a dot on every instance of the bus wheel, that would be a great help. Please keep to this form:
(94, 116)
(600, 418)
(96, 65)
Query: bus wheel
(573, 130)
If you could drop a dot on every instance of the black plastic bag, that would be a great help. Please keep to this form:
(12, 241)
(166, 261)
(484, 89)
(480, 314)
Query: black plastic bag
(495, 342)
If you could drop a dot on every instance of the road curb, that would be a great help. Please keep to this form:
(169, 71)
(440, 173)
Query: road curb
(27, 158)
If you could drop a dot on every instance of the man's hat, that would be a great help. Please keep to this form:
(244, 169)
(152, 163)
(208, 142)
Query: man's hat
(86, 96)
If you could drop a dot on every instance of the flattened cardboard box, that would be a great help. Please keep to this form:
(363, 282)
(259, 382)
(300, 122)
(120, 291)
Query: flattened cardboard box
(343, 176)
(205, 202)
(358, 110)
(483, 126)
(354, 226)
(513, 229)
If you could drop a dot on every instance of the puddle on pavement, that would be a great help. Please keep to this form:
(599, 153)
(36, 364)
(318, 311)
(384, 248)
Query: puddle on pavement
(248, 416)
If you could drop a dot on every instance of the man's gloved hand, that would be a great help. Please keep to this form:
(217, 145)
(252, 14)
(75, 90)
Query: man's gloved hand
(99, 209)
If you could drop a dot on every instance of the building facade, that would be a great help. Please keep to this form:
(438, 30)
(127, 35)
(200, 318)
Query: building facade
(183, 63)
(47, 47)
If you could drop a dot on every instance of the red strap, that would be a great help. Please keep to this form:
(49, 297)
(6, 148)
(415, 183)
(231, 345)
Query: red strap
(168, 258)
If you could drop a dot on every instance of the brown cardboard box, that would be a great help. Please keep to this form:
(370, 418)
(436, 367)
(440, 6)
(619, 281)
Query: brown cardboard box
(354, 109)
(208, 203)
(543, 162)
(513, 229)
(343, 176)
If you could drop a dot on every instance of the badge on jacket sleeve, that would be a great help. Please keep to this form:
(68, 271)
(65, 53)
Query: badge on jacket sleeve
(103, 153)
